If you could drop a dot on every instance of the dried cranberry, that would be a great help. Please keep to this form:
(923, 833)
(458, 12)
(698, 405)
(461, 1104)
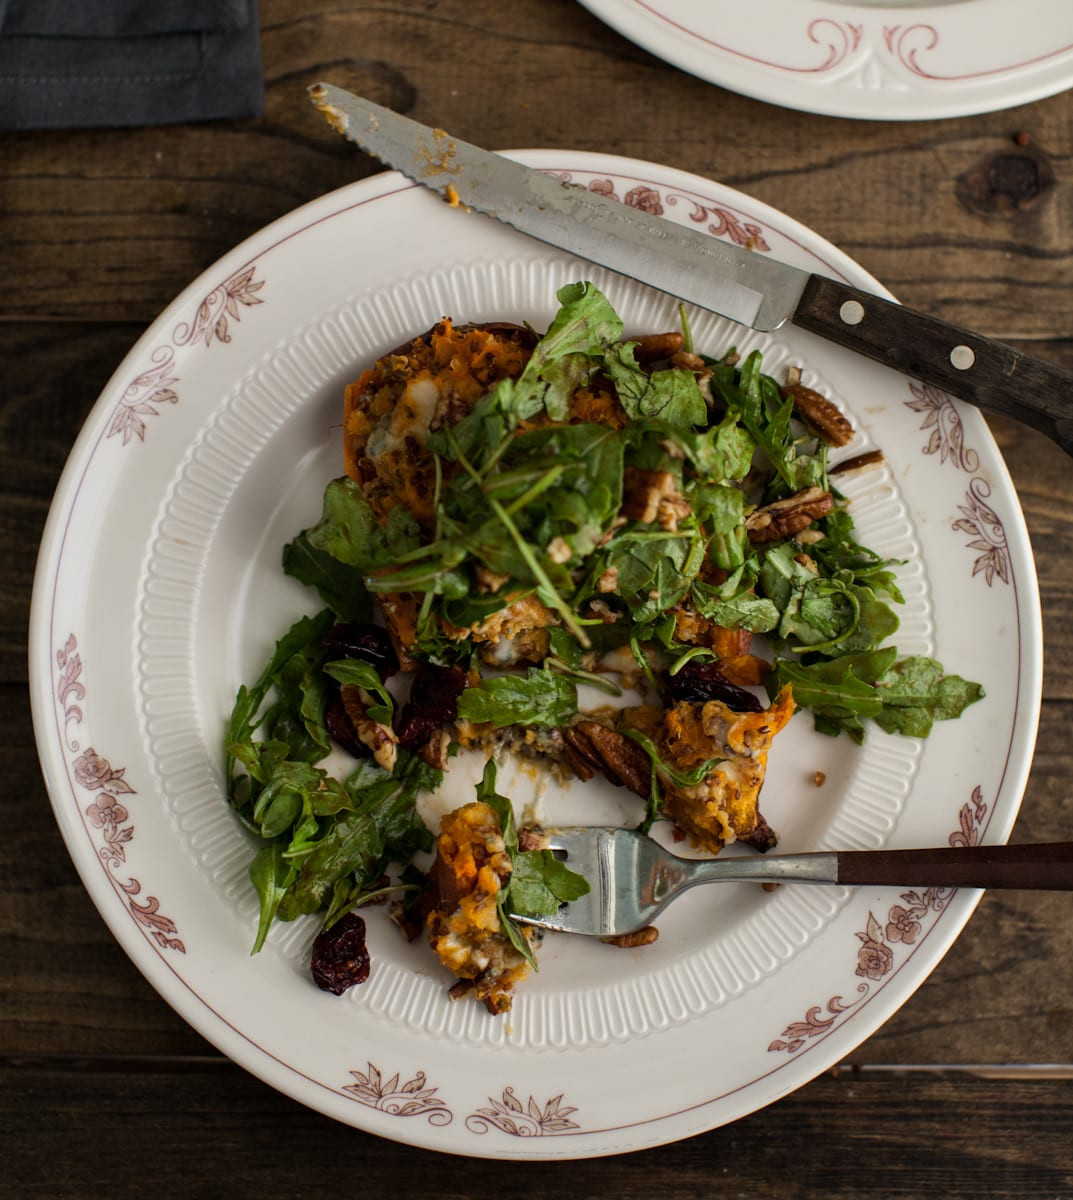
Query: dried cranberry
(433, 703)
(340, 958)
(702, 680)
(370, 643)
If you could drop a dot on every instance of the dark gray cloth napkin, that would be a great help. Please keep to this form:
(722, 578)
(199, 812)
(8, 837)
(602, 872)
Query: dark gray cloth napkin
(77, 64)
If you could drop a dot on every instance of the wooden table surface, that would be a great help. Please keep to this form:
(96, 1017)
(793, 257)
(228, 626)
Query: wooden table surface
(968, 1090)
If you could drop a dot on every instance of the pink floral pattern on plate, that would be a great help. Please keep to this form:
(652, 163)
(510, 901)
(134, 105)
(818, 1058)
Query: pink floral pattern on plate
(153, 388)
(717, 220)
(984, 526)
(879, 941)
(532, 1119)
(946, 438)
(826, 44)
(106, 813)
(410, 1099)
(415, 1098)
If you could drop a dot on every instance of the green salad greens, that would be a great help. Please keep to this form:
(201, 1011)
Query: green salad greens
(549, 504)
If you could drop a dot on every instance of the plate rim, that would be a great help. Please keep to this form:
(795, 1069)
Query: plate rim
(144, 957)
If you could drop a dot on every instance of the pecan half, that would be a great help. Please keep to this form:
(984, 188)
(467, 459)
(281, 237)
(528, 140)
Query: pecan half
(784, 518)
(488, 581)
(589, 747)
(608, 581)
(532, 837)
(686, 360)
(653, 347)
(437, 750)
(629, 941)
(652, 497)
(381, 739)
(870, 458)
(820, 414)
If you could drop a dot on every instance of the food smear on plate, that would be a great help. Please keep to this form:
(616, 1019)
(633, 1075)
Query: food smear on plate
(521, 516)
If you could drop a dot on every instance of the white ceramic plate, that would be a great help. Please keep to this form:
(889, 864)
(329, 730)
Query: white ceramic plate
(158, 591)
(897, 61)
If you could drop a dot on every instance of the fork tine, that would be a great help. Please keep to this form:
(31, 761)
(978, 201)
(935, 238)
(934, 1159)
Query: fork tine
(568, 839)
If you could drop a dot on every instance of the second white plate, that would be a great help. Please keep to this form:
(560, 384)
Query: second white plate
(898, 61)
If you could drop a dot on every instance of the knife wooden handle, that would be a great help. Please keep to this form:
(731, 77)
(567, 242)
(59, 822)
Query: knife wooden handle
(986, 373)
(1035, 866)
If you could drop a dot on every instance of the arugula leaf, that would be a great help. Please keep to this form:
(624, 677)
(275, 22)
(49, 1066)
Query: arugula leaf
(539, 697)
(293, 719)
(540, 883)
(584, 325)
(742, 610)
(563, 647)
(350, 532)
(299, 641)
(905, 696)
(721, 511)
(915, 693)
(757, 402)
(486, 425)
(287, 798)
(512, 929)
(364, 675)
(722, 452)
(561, 482)
(500, 805)
(270, 875)
(341, 586)
(384, 826)
(822, 613)
(655, 568)
(839, 553)
(348, 895)
(670, 395)
(838, 689)
(290, 788)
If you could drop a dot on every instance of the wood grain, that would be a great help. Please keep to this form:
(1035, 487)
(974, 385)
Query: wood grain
(133, 223)
(213, 1129)
(104, 1090)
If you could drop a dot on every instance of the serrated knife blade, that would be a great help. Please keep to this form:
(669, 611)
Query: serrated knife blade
(748, 287)
(695, 267)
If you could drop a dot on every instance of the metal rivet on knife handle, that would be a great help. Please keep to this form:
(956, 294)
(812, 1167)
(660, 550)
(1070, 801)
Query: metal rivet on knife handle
(852, 312)
(996, 377)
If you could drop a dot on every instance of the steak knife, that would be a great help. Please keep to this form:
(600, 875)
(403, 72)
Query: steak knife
(743, 285)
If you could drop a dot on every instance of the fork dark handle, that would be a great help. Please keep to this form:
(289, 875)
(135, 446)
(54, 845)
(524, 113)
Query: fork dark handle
(1038, 866)
(994, 376)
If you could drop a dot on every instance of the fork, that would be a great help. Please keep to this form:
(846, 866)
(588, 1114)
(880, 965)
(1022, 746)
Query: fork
(632, 878)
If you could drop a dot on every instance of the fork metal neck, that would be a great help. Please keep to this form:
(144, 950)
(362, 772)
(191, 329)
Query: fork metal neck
(820, 867)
